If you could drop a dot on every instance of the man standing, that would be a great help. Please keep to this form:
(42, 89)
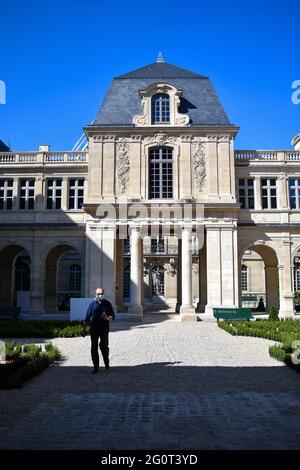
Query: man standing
(99, 314)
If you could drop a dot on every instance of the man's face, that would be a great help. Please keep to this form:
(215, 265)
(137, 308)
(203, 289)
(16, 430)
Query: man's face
(100, 292)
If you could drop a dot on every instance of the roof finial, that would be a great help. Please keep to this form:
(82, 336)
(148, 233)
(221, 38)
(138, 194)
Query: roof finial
(160, 57)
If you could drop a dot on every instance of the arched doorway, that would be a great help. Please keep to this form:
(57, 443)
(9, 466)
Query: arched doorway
(15, 274)
(259, 278)
(63, 278)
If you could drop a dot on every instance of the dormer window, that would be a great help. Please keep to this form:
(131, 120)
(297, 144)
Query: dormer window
(160, 102)
(160, 108)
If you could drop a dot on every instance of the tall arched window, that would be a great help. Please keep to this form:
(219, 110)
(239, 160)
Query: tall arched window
(161, 173)
(160, 108)
(75, 278)
(22, 273)
(244, 278)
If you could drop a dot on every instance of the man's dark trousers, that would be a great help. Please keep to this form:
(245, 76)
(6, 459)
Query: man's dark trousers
(103, 346)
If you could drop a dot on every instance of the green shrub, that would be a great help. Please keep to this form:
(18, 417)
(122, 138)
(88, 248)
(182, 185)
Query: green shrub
(40, 329)
(13, 351)
(32, 350)
(277, 352)
(29, 364)
(273, 314)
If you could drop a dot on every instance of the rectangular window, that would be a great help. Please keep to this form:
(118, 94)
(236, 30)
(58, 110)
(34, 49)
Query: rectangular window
(6, 194)
(246, 193)
(294, 193)
(269, 193)
(54, 192)
(76, 193)
(161, 173)
(27, 187)
(244, 279)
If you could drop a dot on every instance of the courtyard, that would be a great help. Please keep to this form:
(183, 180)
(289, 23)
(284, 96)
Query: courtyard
(172, 385)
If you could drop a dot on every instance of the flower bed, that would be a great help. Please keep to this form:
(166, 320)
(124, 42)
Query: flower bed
(24, 362)
(285, 332)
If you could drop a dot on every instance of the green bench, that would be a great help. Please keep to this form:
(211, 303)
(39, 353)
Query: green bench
(10, 313)
(232, 313)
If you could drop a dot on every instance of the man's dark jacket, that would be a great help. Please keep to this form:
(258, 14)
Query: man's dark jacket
(95, 311)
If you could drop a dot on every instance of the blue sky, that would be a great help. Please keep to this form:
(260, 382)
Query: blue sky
(58, 57)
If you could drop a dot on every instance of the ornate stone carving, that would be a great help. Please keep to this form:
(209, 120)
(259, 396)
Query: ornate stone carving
(161, 138)
(123, 164)
(199, 163)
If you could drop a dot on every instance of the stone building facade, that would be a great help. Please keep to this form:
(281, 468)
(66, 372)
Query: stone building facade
(161, 210)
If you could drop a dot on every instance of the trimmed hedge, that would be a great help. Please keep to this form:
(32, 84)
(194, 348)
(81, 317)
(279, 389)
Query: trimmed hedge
(31, 361)
(40, 329)
(282, 331)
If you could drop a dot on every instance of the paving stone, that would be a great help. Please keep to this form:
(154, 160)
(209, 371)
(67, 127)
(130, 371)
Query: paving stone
(172, 385)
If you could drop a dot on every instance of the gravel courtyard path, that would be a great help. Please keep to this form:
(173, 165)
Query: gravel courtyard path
(171, 386)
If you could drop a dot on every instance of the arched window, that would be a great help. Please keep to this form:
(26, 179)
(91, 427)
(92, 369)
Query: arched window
(244, 278)
(22, 273)
(161, 173)
(160, 108)
(158, 280)
(75, 278)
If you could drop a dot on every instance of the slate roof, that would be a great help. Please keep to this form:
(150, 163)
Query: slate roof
(199, 99)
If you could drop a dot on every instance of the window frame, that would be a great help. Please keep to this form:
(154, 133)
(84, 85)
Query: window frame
(54, 197)
(75, 277)
(6, 188)
(75, 198)
(160, 109)
(161, 169)
(245, 278)
(269, 197)
(296, 188)
(27, 198)
(246, 188)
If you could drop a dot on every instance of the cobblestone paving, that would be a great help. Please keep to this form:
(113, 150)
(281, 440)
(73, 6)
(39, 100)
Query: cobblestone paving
(172, 386)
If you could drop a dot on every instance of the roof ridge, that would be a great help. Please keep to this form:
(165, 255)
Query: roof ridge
(160, 69)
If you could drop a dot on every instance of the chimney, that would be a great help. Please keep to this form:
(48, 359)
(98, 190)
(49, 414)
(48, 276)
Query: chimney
(44, 148)
(296, 142)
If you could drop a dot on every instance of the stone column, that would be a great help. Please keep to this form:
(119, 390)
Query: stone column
(287, 308)
(135, 309)
(119, 273)
(37, 278)
(187, 311)
(202, 280)
(178, 277)
(100, 265)
(222, 267)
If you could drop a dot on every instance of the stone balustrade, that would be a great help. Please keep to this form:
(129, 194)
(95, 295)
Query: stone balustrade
(267, 155)
(25, 158)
